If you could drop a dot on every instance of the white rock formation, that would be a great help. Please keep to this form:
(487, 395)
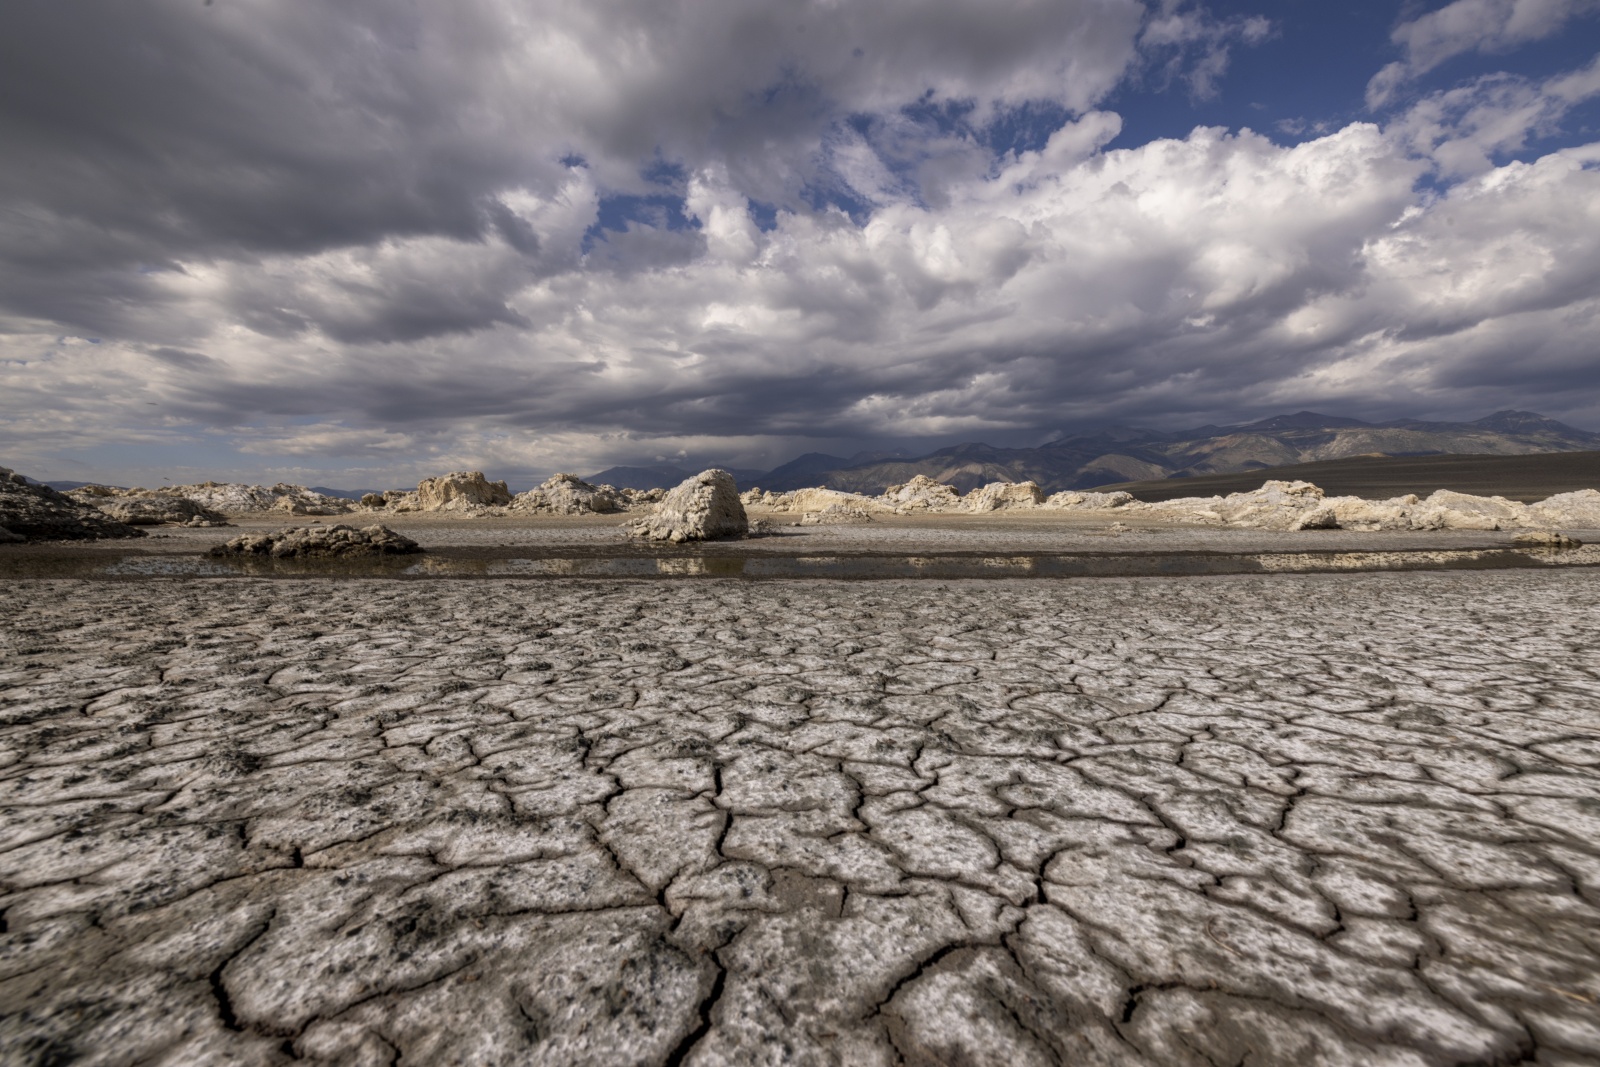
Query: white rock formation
(639, 498)
(147, 509)
(803, 500)
(466, 492)
(460, 490)
(226, 498)
(1316, 518)
(1000, 496)
(567, 494)
(1580, 510)
(1078, 500)
(922, 493)
(703, 508)
(1275, 506)
(1303, 506)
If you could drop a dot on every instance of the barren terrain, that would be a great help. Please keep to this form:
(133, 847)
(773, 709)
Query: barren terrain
(1309, 819)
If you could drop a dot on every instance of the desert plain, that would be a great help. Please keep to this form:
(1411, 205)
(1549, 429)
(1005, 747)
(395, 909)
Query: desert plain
(462, 811)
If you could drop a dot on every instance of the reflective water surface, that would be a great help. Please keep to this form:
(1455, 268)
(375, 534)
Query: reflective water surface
(106, 565)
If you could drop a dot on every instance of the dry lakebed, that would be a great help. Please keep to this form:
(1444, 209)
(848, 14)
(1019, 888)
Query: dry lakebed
(1317, 798)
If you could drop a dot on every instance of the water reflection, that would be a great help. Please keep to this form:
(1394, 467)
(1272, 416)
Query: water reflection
(1081, 565)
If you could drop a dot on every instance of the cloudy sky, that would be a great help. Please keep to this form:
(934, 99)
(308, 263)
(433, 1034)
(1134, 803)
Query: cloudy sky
(356, 243)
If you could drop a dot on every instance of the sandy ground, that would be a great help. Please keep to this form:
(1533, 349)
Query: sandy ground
(1343, 819)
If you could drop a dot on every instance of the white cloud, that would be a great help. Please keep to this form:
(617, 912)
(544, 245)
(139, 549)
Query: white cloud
(1187, 43)
(1463, 129)
(1470, 26)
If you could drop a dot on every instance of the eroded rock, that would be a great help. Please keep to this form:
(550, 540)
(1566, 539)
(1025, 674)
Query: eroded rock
(31, 512)
(922, 493)
(703, 508)
(148, 509)
(1577, 511)
(804, 500)
(232, 498)
(1302, 506)
(568, 494)
(999, 496)
(321, 542)
(1316, 518)
(460, 490)
(1076, 500)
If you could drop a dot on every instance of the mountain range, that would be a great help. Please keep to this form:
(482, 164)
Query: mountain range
(1122, 454)
(1125, 454)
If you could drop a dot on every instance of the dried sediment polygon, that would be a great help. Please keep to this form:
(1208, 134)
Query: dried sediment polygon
(1321, 820)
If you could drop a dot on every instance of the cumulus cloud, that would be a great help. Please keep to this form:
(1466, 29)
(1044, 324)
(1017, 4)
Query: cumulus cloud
(396, 241)
(1470, 26)
(1465, 128)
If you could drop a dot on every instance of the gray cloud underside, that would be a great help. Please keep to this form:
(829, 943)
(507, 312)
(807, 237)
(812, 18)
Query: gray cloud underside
(325, 230)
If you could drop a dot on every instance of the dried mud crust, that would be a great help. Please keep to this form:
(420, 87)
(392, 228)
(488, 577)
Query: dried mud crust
(1318, 820)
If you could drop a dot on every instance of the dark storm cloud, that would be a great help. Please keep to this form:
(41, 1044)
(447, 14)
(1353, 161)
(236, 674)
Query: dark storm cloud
(338, 227)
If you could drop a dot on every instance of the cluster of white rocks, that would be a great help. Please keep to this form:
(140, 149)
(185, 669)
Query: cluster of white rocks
(1303, 506)
(30, 512)
(924, 495)
(460, 491)
(568, 494)
(210, 500)
(146, 508)
(471, 493)
(1276, 505)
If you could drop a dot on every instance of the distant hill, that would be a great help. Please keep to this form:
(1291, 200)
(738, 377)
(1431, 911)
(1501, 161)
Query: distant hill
(346, 494)
(1526, 477)
(662, 477)
(67, 487)
(801, 472)
(1121, 454)
(1117, 455)
(639, 477)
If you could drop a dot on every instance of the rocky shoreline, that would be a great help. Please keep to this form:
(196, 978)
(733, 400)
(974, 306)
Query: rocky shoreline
(710, 507)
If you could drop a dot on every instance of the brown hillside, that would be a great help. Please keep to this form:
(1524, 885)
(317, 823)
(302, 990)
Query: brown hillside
(1526, 478)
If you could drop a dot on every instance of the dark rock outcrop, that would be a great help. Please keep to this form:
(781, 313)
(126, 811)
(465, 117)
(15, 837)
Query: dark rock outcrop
(321, 542)
(31, 512)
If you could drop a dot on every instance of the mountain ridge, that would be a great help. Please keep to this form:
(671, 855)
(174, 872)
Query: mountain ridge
(1116, 454)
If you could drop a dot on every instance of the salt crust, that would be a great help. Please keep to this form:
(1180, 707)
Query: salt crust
(1319, 820)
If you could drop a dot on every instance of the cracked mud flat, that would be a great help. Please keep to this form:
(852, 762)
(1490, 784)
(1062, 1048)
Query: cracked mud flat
(1344, 819)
